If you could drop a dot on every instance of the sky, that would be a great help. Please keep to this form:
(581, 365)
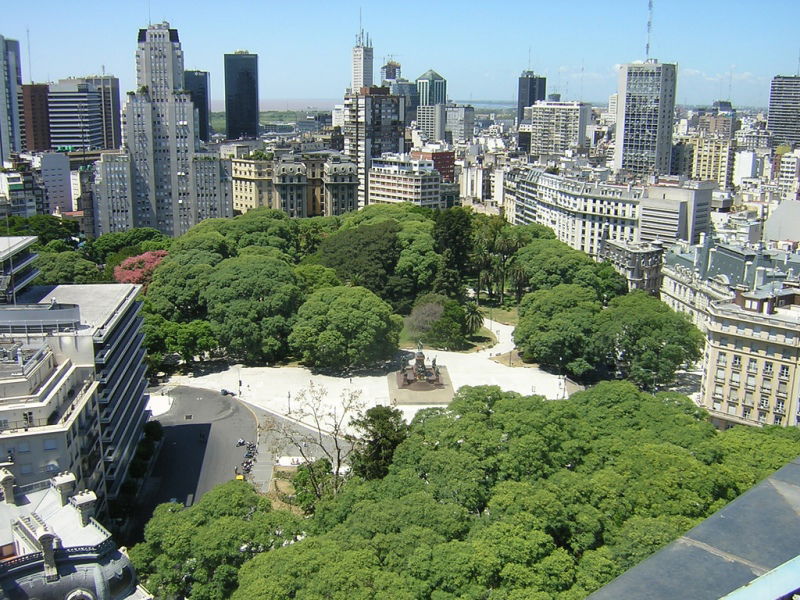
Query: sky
(725, 49)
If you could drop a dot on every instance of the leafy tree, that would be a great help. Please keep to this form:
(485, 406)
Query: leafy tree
(46, 228)
(251, 303)
(380, 430)
(453, 231)
(437, 320)
(196, 552)
(139, 269)
(364, 256)
(311, 277)
(99, 249)
(66, 267)
(647, 341)
(344, 327)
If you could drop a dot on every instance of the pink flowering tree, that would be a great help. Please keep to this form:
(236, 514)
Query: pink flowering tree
(139, 269)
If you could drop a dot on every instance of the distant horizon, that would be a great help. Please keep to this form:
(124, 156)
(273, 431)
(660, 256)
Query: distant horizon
(480, 50)
(326, 104)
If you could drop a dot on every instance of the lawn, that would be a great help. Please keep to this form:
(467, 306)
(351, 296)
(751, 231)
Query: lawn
(506, 316)
(478, 341)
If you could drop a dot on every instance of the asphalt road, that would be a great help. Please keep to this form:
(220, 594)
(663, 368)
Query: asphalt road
(199, 448)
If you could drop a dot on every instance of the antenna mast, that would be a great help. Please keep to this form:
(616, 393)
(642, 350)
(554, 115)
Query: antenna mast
(30, 71)
(649, 28)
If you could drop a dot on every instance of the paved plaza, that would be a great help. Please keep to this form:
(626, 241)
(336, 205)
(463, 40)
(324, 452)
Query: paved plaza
(276, 389)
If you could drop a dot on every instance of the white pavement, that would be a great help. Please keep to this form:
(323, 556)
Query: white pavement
(276, 389)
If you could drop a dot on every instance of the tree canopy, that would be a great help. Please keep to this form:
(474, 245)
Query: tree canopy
(497, 495)
(344, 327)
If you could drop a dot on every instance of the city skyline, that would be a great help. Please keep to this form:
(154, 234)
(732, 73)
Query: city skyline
(478, 63)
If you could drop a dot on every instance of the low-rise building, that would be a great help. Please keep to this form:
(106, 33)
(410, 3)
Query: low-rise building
(52, 548)
(751, 372)
(639, 263)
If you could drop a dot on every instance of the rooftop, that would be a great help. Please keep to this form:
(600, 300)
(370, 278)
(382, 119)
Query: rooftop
(11, 245)
(99, 303)
(64, 521)
(757, 532)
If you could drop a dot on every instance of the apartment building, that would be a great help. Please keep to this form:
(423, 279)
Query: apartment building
(396, 178)
(583, 212)
(72, 384)
(556, 127)
(713, 160)
(751, 366)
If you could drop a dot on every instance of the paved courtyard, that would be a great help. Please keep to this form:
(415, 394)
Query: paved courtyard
(276, 389)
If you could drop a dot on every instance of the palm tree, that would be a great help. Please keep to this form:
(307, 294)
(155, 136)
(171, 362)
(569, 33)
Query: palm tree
(473, 317)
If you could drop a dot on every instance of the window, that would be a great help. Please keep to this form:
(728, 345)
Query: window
(784, 372)
(746, 412)
(721, 374)
(767, 368)
(50, 444)
(737, 361)
(722, 359)
(752, 365)
(751, 381)
(26, 469)
(24, 446)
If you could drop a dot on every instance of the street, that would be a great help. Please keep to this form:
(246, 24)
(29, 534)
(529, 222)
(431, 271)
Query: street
(199, 448)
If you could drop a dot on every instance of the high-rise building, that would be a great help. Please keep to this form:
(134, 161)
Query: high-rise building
(390, 72)
(532, 88)
(432, 88)
(557, 126)
(152, 181)
(196, 83)
(645, 112)
(407, 89)
(373, 124)
(362, 62)
(75, 108)
(241, 95)
(35, 117)
(459, 122)
(712, 160)
(10, 83)
(108, 88)
(784, 109)
(55, 175)
(431, 119)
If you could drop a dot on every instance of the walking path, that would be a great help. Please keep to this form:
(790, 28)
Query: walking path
(276, 389)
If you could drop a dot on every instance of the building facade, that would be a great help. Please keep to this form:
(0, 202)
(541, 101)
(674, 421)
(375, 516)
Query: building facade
(10, 84)
(152, 181)
(35, 117)
(751, 372)
(556, 127)
(197, 84)
(373, 124)
(583, 213)
(431, 120)
(713, 160)
(241, 95)
(108, 88)
(459, 123)
(362, 63)
(75, 109)
(396, 178)
(432, 88)
(784, 109)
(638, 263)
(531, 89)
(645, 112)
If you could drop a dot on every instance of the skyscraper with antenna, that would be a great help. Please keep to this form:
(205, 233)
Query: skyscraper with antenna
(362, 62)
